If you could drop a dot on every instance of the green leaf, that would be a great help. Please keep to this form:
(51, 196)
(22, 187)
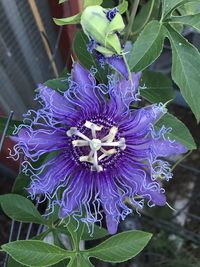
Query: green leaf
(11, 127)
(20, 208)
(158, 87)
(42, 235)
(123, 7)
(120, 247)
(35, 253)
(13, 263)
(21, 183)
(92, 3)
(85, 58)
(179, 131)
(75, 229)
(191, 20)
(84, 261)
(189, 8)
(70, 20)
(59, 84)
(56, 239)
(170, 5)
(147, 47)
(80, 261)
(99, 232)
(149, 11)
(108, 3)
(61, 263)
(185, 69)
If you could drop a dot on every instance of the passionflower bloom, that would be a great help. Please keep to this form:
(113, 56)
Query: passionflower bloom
(108, 154)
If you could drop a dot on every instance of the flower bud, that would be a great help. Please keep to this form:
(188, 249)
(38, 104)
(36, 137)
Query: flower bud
(102, 25)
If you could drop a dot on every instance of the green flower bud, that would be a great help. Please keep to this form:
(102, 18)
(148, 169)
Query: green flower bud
(103, 30)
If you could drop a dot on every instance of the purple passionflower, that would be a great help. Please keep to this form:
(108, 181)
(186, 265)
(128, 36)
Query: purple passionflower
(107, 152)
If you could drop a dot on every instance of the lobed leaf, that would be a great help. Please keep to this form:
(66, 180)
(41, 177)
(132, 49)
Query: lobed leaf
(149, 11)
(147, 47)
(98, 232)
(170, 5)
(84, 261)
(36, 253)
(185, 69)
(120, 247)
(20, 208)
(189, 8)
(158, 87)
(191, 20)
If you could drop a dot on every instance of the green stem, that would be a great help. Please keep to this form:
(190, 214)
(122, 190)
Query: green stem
(127, 66)
(162, 15)
(147, 18)
(181, 159)
(132, 17)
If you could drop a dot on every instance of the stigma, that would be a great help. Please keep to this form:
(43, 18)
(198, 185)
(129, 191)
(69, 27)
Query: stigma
(99, 148)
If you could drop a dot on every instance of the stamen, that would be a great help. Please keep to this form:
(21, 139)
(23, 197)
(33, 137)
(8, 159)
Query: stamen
(71, 131)
(120, 143)
(74, 131)
(91, 125)
(80, 143)
(96, 145)
(107, 153)
(85, 158)
(111, 136)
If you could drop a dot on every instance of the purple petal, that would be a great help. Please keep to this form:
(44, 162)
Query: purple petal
(54, 173)
(82, 76)
(148, 115)
(72, 196)
(142, 119)
(55, 102)
(141, 184)
(112, 224)
(110, 199)
(166, 148)
(126, 92)
(37, 142)
(117, 62)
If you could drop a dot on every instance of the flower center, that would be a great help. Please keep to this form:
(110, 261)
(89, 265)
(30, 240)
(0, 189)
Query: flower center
(99, 148)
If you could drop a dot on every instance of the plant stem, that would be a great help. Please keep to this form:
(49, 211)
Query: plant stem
(147, 18)
(181, 159)
(132, 17)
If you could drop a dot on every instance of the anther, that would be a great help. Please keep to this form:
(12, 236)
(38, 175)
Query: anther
(93, 126)
(111, 136)
(80, 143)
(71, 131)
(97, 152)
